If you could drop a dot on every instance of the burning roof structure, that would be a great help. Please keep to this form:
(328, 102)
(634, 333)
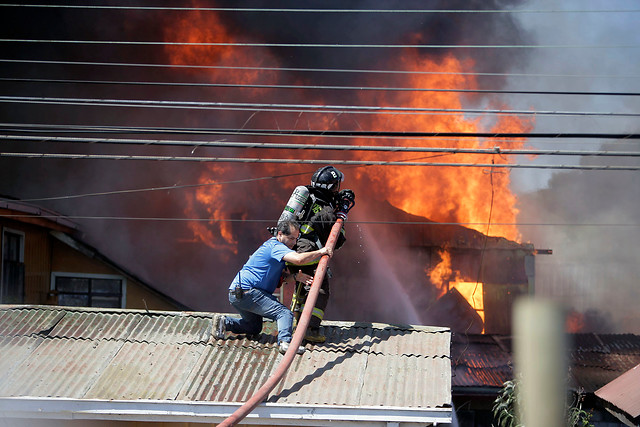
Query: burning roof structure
(437, 274)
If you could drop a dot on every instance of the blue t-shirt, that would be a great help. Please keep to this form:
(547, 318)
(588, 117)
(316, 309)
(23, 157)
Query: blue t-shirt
(264, 267)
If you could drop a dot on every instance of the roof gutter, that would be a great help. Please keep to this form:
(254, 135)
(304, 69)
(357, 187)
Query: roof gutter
(215, 412)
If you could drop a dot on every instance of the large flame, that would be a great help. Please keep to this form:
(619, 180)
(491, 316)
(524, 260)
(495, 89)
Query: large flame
(215, 233)
(444, 278)
(473, 196)
(479, 198)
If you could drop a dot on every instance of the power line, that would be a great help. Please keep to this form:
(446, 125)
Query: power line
(312, 87)
(314, 70)
(319, 45)
(163, 188)
(306, 161)
(292, 108)
(306, 10)
(421, 223)
(332, 147)
(327, 133)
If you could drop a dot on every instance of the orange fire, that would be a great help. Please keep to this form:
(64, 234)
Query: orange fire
(206, 27)
(468, 195)
(445, 278)
(215, 233)
(479, 198)
(472, 292)
(575, 322)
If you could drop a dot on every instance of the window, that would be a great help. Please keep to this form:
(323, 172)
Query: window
(12, 283)
(79, 290)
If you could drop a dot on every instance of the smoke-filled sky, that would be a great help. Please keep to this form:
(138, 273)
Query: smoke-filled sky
(590, 219)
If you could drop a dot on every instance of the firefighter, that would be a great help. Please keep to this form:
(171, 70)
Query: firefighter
(317, 207)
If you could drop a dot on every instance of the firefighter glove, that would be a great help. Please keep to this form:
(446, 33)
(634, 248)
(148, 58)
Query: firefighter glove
(346, 201)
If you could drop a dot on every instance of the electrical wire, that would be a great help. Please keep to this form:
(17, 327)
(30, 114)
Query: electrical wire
(294, 108)
(313, 87)
(25, 127)
(307, 10)
(306, 161)
(333, 147)
(322, 45)
(209, 220)
(318, 70)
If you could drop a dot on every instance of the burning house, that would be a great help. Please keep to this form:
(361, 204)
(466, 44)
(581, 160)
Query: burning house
(424, 272)
(463, 259)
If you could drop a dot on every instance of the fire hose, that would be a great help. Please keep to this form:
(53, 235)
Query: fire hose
(296, 340)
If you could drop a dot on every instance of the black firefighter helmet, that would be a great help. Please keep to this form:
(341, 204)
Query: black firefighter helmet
(327, 177)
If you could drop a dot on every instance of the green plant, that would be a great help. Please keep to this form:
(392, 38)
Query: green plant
(506, 404)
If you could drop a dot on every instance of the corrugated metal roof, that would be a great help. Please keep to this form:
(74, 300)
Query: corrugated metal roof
(595, 359)
(129, 354)
(624, 392)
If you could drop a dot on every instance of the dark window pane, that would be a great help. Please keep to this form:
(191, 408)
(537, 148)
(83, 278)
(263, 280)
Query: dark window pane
(106, 286)
(73, 300)
(12, 245)
(72, 284)
(105, 302)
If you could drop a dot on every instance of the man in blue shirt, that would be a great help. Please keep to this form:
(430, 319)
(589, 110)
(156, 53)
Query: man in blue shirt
(251, 291)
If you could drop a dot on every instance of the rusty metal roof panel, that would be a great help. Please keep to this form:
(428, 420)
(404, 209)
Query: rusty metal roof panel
(171, 329)
(607, 361)
(480, 361)
(624, 392)
(416, 341)
(232, 372)
(127, 354)
(323, 378)
(58, 367)
(14, 350)
(403, 381)
(26, 321)
(95, 325)
(590, 379)
(463, 376)
(606, 343)
(145, 371)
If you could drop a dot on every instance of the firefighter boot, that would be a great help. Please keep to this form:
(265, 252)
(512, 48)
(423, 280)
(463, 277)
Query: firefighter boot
(314, 335)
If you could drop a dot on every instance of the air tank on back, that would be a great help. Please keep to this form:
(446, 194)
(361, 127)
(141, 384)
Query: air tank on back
(295, 204)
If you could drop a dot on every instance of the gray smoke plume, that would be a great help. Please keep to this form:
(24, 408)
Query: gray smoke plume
(593, 219)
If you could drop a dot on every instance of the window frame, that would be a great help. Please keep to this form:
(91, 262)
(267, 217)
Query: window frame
(20, 260)
(92, 276)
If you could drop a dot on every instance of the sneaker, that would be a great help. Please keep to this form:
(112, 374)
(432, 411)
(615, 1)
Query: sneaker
(220, 328)
(314, 335)
(284, 346)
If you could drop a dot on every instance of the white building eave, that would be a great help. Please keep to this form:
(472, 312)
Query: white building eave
(214, 412)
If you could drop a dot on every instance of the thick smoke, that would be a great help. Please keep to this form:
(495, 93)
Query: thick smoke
(166, 253)
(592, 219)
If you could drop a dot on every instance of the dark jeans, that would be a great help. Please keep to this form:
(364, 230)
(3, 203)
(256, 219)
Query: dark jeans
(253, 306)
